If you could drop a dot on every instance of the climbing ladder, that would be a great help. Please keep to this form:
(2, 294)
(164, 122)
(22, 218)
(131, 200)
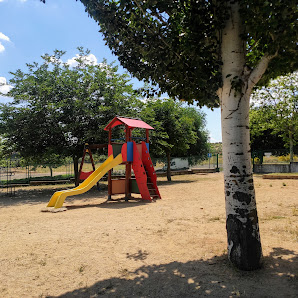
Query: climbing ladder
(150, 172)
(145, 173)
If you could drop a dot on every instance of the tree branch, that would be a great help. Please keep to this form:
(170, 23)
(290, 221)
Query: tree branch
(152, 32)
(259, 70)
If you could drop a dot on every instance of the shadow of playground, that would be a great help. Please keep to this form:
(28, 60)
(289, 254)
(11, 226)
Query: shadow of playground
(42, 195)
(39, 195)
(172, 182)
(212, 278)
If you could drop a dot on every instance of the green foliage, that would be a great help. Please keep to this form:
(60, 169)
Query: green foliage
(199, 149)
(271, 27)
(159, 41)
(177, 44)
(216, 147)
(261, 136)
(178, 131)
(57, 108)
(275, 112)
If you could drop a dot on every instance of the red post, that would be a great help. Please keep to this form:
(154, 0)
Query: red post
(81, 167)
(127, 166)
(91, 158)
(110, 171)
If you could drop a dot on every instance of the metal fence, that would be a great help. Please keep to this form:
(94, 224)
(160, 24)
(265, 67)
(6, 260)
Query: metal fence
(12, 172)
(273, 156)
(211, 161)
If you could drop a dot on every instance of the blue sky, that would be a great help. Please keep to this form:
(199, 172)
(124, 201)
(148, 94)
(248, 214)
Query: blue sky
(29, 29)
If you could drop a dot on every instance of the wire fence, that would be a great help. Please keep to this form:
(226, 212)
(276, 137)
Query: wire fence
(12, 172)
(211, 161)
(274, 156)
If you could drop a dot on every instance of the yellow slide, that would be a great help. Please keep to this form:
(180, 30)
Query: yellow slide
(58, 197)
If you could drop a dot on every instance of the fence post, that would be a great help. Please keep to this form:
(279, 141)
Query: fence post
(217, 167)
(28, 173)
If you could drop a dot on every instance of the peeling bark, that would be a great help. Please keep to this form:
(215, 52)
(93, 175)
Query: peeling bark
(244, 245)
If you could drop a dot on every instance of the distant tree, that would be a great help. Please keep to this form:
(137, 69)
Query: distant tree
(275, 109)
(198, 151)
(216, 147)
(49, 160)
(261, 136)
(178, 131)
(56, 108)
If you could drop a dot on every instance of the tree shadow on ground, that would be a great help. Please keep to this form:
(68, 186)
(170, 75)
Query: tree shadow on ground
(38, 195)
(176, 182)
(121, 203)
(111, 204)
(212, 278)
(42, 195)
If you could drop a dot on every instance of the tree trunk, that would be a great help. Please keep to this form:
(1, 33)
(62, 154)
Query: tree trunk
(51, 171)
(76, 169)
(244, 245)
(291, 146)
(169, 167)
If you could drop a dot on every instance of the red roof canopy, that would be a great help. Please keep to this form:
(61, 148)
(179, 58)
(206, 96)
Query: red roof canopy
(131, 123)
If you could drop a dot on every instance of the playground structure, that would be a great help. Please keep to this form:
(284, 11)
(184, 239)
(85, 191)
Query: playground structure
(88, 149)
(135, 156)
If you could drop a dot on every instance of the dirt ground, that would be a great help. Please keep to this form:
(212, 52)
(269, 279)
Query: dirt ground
(174, 247)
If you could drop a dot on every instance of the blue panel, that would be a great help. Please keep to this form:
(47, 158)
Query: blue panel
(147, 144)
(129, 151)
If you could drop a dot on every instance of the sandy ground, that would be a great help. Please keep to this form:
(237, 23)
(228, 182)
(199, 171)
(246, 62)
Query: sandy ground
(174, 247)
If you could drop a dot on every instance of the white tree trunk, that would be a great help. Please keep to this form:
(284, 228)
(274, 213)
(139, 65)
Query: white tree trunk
(244, 245)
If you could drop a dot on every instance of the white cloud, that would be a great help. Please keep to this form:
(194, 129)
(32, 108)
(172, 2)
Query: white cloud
(88, 60)
(17, 0)
(4, 87)
(3, 36)
(213, 140)
(72, 62)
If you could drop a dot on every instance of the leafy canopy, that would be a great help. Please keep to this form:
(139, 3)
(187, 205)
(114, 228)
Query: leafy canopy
(275, 109)
(262, 137)
(57, 108)
(178, 131)
(177, 44)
